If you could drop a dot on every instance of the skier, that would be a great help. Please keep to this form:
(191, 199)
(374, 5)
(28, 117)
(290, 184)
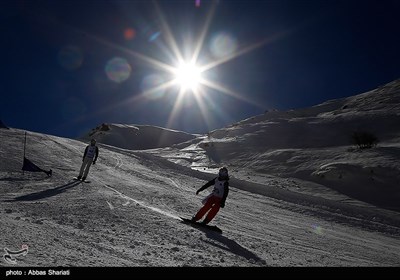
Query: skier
(90, 155)
(215, 200)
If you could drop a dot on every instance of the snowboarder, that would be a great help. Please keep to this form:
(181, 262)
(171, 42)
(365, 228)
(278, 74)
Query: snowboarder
(89, 156)
(216, 199)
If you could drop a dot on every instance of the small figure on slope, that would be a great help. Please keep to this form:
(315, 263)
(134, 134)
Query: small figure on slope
(216, 199)
(90, 155)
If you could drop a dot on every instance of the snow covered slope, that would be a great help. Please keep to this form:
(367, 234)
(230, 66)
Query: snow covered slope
(311, 147)
(128, 215)
(137, 137)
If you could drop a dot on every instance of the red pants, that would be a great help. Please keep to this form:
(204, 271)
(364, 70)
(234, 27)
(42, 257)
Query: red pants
(213, 204)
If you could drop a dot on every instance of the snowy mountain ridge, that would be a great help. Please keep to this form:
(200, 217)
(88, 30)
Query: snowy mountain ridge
(136, 137)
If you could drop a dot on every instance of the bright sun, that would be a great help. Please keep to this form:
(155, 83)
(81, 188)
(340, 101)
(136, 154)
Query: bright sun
(188, 76)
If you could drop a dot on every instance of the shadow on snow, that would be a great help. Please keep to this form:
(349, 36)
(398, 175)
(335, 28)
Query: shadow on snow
(231, 246)
(46, 193)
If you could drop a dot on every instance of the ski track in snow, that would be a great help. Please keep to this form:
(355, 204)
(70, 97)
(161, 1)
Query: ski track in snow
(119, 164)
(141, 203)
(110, 205)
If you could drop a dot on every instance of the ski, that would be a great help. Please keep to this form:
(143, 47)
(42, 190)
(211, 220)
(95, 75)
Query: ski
(83, 181)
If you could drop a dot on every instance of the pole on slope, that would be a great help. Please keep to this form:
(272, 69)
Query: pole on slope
(23, 172)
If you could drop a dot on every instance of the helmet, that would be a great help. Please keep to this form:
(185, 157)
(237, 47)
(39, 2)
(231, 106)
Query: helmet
(93, 141)
(223, 172)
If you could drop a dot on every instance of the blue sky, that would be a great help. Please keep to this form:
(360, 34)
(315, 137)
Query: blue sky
(69, 66)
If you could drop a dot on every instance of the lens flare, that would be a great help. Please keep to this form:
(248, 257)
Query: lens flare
(222, 45)
(129, 34)
(317, 229)
(154, 36)
(118, 69)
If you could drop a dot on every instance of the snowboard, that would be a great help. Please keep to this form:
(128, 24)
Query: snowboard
(200, 225)
(76, 179)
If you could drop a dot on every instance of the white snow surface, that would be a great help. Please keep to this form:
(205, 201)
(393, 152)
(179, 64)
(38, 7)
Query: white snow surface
(300, 193)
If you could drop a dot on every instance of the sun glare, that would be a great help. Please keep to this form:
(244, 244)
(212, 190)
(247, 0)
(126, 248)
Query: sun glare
(188, 76)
